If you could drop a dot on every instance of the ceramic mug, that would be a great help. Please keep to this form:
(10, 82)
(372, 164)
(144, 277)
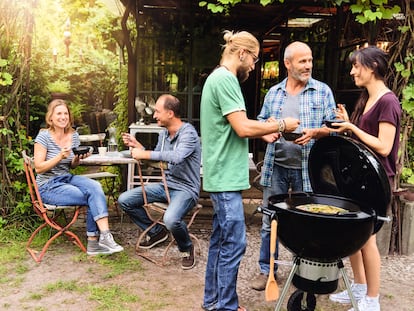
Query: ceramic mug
(102, 151)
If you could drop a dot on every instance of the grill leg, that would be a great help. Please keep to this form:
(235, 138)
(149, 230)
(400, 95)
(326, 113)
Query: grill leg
(348, 285)
(287, 285)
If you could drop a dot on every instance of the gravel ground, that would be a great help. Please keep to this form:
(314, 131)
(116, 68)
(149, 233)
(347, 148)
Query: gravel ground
(397, 284)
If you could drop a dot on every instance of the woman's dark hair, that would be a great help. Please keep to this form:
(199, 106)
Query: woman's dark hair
(375, 59)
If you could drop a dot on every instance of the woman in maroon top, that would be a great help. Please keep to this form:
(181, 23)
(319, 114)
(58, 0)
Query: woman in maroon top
(375, 122)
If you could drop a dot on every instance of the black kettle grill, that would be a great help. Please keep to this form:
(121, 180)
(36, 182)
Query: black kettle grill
(343, 173)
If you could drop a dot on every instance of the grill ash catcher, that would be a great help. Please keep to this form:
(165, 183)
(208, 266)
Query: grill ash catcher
(346, 174)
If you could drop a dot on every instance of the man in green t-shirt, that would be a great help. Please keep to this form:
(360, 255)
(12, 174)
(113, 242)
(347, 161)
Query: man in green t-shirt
(225, 129)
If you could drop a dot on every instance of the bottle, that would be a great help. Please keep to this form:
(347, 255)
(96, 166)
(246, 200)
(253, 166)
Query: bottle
(112, 145)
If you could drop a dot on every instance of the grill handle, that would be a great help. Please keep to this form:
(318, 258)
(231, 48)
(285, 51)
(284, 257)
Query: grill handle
(386, 219)
(265, 211)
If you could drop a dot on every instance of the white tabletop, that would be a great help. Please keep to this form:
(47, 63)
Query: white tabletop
(109, 159)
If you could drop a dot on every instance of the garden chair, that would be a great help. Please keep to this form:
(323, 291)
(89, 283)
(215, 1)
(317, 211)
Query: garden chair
(51, 215)
(156, 210)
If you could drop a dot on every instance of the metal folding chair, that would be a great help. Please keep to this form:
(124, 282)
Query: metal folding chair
(50, 214)
(156, 210)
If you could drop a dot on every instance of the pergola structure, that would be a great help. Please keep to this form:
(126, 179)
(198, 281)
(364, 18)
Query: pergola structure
(178, 44)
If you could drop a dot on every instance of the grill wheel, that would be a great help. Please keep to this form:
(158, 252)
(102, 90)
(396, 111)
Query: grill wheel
(295, 301)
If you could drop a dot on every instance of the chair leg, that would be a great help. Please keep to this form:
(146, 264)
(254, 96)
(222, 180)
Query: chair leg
(158, 220)
(142, 253)
(60, 231)
(32, 252)
(194, 239)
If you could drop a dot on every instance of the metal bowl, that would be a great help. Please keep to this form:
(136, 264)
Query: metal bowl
(81, 150)
(328, 123)
(291, 136)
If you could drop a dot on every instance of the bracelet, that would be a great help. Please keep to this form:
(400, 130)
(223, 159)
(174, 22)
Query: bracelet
(282, 125)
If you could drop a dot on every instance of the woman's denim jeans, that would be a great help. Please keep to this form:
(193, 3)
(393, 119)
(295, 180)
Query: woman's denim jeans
(282, 179)
(71, 189)
(181, 202)
(227, 246)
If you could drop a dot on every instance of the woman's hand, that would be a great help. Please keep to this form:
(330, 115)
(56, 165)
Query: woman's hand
(76, 159)
(341, 113)
(342, 127)
(64, 152)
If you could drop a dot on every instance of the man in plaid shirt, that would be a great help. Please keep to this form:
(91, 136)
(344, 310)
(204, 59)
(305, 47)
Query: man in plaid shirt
(285, 164)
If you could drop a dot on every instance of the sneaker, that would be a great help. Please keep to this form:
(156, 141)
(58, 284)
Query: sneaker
(358, 290)
(259, 282)
(188, 260)
(240, 308)
(107, 240)
(368, 304)
(151, 241)
(94, 248)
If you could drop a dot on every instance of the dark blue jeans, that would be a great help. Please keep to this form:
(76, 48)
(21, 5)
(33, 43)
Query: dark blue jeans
(282, 179)
(181, 202)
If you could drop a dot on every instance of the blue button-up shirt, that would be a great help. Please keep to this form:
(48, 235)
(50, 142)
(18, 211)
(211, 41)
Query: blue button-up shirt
(317, 104)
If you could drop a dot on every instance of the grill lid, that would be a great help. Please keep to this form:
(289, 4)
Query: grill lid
(342, 166)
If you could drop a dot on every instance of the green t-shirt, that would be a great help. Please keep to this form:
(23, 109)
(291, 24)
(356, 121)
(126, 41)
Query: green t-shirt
(225, 154)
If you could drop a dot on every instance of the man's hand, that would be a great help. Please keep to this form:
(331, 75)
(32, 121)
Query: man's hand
(139, 153)
(291, 124)
(271, 138)
(130, 141)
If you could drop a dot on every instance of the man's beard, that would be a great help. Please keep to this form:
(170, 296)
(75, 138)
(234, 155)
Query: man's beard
(298, 76)
(242, 74)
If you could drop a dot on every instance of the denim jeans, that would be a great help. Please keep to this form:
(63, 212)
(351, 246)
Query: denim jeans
(71, 189)
(227, 246)
(181, 202)
(282, 179)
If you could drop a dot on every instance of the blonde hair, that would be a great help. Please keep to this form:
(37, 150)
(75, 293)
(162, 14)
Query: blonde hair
(239, 40)
(51, 108)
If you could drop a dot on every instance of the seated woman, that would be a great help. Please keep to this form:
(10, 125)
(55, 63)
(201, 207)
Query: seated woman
(53, 158)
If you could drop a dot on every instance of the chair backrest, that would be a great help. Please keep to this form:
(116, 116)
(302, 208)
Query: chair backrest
(31, 182)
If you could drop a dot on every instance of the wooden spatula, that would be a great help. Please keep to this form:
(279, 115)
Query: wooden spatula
(272, 289)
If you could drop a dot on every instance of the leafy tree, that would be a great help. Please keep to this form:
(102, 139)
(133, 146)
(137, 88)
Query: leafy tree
(15, 40)
(33, 57)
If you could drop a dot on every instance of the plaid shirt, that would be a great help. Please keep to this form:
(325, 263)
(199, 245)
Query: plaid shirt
(316, 105)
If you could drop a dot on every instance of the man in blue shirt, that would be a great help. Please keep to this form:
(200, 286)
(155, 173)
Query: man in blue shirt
(179, 146)
(285, 164)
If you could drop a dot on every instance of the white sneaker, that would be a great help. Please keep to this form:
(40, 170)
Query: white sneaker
(368, 304)
(358, 290)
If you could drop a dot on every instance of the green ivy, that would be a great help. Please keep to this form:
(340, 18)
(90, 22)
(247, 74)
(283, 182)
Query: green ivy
(5, 77)
(364, 10)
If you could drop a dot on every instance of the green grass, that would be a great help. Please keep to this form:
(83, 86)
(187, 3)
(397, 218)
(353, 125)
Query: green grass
(119, 264)
(15, 263)
(108, 297)
(12, 252)
(112, 297)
